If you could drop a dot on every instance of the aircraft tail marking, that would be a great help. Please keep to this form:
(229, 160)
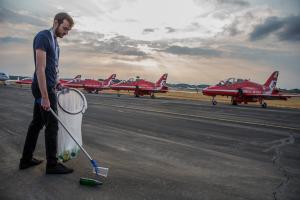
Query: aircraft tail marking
(107, 82)
(272, 80)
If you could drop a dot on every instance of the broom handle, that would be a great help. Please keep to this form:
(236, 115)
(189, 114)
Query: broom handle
(85, 152)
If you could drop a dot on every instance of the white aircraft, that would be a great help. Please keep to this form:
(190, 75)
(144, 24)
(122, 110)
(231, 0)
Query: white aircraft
(4, 76)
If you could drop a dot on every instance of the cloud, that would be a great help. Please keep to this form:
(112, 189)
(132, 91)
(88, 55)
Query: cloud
(278, 58)
(170, 29)
(286, 29)
(131, 20)
(291, 29)
(270, 25)
(167, 29)
(148, 30)
(6, 40)
(102, 44)
(120, 45)
(13, 17)
(83, 37)
(97, 43)
(234, 2)
(205, 52)
(232, 29)
(239, 24)
(241, 3)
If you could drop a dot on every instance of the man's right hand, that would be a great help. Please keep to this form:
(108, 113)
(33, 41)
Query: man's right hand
(45, 103)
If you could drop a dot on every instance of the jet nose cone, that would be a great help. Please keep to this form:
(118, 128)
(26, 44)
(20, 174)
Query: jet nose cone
(207, 88)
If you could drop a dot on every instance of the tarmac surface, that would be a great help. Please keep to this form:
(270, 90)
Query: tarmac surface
(159, 149)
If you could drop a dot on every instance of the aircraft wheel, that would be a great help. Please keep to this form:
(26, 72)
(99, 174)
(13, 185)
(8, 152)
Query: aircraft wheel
(118, 95)
(240, 91)
(214, 102)
(264, 105)
(152, 96)
(233, 101)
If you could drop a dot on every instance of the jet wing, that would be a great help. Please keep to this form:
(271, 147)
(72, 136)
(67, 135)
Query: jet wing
(274, 96)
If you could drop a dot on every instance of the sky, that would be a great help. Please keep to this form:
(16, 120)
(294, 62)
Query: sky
(194, 41)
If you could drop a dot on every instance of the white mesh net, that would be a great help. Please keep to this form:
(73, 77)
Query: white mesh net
(71, 105)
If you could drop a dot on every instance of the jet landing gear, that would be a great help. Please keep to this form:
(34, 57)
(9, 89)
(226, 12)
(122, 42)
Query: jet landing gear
(136, 92)
(233, 101)
(264, 105)
(214, 102)
(152, 95)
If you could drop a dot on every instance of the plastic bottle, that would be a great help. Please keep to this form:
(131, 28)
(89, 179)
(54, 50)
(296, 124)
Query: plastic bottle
(89, 182)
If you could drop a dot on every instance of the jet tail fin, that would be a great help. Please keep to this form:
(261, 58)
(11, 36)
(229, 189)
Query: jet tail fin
(272, 80)
(75, 79)
(107, 82)
(163, 78)
(162, 81)
(78, 77)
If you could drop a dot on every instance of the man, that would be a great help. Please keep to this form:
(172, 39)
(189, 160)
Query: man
(45, 79)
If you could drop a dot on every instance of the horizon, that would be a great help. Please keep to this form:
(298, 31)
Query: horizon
(195, 41)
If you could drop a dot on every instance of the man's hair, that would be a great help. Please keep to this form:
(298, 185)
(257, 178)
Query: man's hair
(61, 16)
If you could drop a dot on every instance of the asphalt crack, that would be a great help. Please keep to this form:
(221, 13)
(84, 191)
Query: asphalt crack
(276, 146)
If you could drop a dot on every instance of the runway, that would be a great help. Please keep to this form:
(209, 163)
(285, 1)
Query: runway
(160, 149)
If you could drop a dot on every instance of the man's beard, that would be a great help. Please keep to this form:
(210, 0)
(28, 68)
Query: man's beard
(57, 33)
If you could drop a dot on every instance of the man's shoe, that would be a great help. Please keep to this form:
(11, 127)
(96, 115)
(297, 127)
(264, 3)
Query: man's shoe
(24, 164)
(58, 169)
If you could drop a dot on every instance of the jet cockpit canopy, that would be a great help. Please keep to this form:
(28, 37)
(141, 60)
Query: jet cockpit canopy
(230, 81)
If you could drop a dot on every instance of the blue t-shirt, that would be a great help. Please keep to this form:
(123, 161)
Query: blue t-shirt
(44, 41)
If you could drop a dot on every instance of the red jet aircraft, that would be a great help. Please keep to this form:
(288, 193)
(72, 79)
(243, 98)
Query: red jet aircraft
(142, 87)
(28, 81)
(241, 90)
(24, 81)
(89, 85)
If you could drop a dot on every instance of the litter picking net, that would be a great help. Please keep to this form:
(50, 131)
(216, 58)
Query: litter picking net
(71, 106)
(103, 171)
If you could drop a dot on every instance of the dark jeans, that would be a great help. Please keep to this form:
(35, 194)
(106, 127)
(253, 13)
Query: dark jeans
(40, 119)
